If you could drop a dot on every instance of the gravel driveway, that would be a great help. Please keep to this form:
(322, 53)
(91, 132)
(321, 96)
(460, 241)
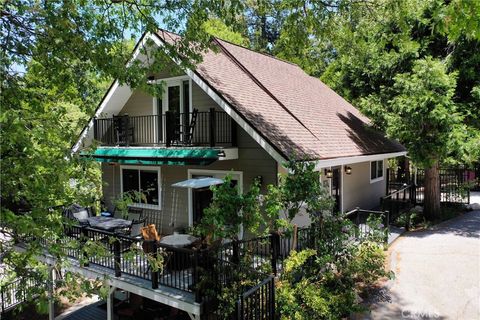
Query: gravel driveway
(437, 273)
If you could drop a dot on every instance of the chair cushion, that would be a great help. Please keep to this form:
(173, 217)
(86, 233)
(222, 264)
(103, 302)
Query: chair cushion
(81, 215)
(150, 233)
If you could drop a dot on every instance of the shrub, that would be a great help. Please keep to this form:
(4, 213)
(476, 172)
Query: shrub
(325, 283)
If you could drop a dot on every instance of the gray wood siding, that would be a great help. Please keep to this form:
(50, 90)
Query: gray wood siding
(253, 161)
(201, 100)
(111, 183)
(357, 189)
(139, 104)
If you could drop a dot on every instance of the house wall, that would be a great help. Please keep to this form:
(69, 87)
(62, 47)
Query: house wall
(357, 189)
(252, 160)
(142, 104)
(201, 100)
(139, 104)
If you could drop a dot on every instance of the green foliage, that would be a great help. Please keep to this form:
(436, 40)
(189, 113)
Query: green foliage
(424, 116)
(324, 283)
(217, 28)
(58, 58)
(300, 188)
(128, 198)
(229, 210)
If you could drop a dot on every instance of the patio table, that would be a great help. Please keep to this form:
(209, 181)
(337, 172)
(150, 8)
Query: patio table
(178, 240)
(108, 223)
(179, 259)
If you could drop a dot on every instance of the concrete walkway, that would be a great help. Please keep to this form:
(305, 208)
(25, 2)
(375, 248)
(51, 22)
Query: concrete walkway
(437, 273)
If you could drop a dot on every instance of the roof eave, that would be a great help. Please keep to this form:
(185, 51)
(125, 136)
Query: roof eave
(326, 163)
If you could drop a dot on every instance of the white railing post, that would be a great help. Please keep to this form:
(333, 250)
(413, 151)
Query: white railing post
(110, 297)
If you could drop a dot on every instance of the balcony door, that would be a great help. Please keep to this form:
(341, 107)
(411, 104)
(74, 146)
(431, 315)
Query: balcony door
(178, 101)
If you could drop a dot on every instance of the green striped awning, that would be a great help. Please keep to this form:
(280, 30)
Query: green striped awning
(153, 156)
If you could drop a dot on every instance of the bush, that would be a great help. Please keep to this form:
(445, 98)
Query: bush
(325, 283)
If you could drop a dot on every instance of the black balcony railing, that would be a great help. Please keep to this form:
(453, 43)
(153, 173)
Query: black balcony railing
(211, 128)
(14, 293)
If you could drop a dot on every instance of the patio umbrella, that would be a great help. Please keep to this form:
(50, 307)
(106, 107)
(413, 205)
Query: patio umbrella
(198, 183)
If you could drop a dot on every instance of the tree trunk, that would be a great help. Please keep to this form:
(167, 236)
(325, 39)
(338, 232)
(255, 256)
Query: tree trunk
(431, 207)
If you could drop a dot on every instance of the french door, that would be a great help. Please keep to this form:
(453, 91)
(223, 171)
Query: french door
(177, 101)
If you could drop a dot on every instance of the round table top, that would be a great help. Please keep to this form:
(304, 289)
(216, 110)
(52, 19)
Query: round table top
(178, 240)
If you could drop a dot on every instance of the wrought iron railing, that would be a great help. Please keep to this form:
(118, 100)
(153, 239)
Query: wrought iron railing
(210, 128)
(454, 183)
(268, 251)
(258, 302)
(13, 293)
(359, 218)
(123, 254)
(399, 203)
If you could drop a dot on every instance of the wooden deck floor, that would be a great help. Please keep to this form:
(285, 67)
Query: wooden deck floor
(90, 312)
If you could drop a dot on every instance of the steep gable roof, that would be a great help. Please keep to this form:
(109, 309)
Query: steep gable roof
(297, 113)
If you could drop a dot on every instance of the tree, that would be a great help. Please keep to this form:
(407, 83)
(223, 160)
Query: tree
(217, 28)
(426, 119)
(230, 210)
(57, 57)
(362, 46)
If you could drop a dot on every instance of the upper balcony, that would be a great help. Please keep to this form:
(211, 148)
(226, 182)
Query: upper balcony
(194, 129)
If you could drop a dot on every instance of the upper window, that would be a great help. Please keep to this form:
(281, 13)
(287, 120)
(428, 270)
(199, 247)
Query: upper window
(142, 180)
(376, 170)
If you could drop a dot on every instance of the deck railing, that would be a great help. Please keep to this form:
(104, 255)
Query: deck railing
(399, 203)
(359, 218)
(13, 293)
(188, 269)
(258, 302)
(133, 256)
(270, 251)
(211, 128)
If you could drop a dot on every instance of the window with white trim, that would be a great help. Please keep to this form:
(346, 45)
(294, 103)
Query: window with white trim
(144, 180)
(376, 170)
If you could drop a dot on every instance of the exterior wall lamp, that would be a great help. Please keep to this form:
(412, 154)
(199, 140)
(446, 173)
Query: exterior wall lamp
(329, 173)
(150, 79)
(348, 170)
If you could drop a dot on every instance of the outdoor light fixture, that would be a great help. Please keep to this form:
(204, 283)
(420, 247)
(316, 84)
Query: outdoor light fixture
(329, 173)
(348, 170)
(150, 79)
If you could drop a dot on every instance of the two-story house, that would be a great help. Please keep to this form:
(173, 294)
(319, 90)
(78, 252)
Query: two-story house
(238, 113)
(241, 113)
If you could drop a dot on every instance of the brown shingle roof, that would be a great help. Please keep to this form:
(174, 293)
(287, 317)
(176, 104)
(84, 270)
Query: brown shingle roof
(297, 113)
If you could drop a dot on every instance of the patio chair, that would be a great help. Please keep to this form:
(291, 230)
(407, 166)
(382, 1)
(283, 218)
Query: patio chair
(123, 130)
(189, 129)
(136, 228)
(183, 133)
(118, 214)
(77, 213)
(150, 236)
(135, 214)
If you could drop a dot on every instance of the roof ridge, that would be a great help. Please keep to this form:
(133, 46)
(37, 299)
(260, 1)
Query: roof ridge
(260, 84)
(257, 52)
